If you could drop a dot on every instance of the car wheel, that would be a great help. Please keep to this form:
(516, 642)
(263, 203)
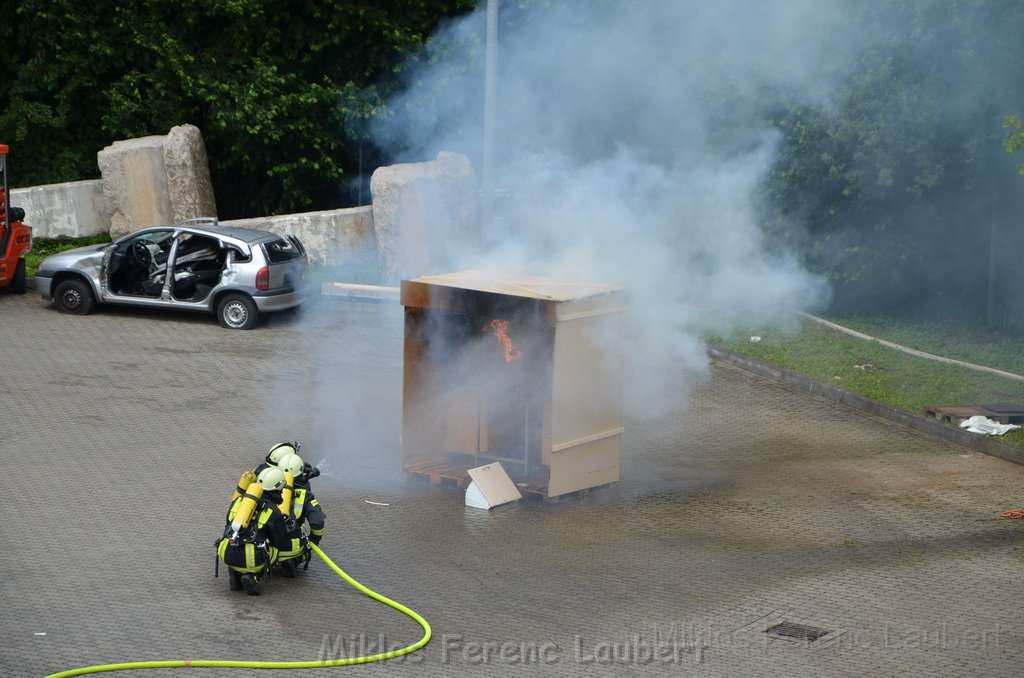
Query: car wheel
(18, 281)
(74, 296)
(237, 312)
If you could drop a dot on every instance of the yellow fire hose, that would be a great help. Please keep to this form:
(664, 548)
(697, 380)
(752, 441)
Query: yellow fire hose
(239, 664)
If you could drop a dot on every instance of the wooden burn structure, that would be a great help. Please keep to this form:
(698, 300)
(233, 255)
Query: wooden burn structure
(522, 371)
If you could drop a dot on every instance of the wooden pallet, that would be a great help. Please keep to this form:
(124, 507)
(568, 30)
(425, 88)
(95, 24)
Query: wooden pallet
(1005, 413)
(533, 488)
(954, 414)
(444, 473)
(456, 474)
(540, 491)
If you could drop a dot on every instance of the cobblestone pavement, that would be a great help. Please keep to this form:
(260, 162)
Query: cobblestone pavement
(124, 432)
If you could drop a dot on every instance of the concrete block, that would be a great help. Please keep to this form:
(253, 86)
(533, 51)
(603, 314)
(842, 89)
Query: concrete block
(135, 184)
(156, 180)
(70, 210)
(425, 216)
(332, 237)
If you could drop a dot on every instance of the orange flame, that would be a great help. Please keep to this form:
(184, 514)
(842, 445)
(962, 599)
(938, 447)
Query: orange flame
(500, 328)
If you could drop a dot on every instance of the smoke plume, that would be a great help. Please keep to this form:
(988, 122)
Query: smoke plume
(628, 150)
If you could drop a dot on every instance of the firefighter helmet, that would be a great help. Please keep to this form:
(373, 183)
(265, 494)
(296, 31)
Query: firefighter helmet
(280, 451)
(292, 464)
(271, 478)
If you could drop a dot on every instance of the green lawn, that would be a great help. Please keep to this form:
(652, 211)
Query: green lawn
(889, 376)
(969, 343)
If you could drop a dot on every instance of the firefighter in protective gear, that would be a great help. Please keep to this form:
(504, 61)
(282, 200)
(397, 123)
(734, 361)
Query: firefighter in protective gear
(293, 550)
(305, 507)
(254, 528)
(276, 454)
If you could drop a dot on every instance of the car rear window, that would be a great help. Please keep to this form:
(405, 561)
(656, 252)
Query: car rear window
(281, 250)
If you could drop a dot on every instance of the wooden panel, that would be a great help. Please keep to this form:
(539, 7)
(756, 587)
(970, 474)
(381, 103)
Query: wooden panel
(587, 388)
(462, 423)
(584, 466)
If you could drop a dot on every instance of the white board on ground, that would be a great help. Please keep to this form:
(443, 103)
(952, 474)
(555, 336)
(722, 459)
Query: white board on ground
(490, 487)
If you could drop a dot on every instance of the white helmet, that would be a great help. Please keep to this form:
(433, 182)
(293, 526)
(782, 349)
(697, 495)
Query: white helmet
(280, 451)
(271, 478)
(292, 464)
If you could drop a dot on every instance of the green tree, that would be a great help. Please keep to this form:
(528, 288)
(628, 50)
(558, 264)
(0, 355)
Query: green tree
(277, 87)
(1014, 137)
(895, 188)
(60, 57)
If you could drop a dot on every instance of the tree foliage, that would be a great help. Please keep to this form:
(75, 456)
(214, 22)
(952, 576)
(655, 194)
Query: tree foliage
(898, 188)
(277, 87)
(1014, 137)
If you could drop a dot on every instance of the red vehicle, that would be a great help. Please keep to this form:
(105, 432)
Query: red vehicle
(15, 237)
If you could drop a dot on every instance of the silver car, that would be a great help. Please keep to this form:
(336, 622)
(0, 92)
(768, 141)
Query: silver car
(237, 273)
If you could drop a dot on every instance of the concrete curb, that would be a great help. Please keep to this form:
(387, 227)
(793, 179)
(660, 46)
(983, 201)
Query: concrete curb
(919, 422)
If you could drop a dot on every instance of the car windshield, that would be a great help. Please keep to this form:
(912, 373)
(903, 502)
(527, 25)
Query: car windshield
(281, 250)
(156, 237)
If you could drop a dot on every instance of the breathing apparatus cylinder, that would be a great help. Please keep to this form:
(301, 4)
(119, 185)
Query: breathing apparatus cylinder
(248, 506)
(286, 494)
(248, 478)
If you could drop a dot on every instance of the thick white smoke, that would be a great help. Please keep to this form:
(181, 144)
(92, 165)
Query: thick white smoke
(628, 150)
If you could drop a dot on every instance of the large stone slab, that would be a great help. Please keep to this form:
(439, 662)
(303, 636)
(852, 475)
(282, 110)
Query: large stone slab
(135, 184)
(425, 216)
(156, 180)
(188, 174)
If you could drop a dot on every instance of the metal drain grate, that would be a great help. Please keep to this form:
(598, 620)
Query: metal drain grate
(797, 631)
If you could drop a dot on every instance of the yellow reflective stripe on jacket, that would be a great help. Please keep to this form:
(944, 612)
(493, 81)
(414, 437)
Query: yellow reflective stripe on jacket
(295, 550)
(264, 517)
(250, 557)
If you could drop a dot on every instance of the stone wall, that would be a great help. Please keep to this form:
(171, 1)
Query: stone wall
(423, 217)
(71, 210)
(333, 237)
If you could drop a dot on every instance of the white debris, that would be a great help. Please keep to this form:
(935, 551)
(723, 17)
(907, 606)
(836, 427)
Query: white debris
(755, 339)
(376, 503)
(981, 424)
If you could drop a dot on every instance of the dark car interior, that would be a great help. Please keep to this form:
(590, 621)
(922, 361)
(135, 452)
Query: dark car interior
(138, 266)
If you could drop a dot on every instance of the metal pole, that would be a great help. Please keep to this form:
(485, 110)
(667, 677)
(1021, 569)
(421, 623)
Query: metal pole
(479, 414)
(526, 440)
(990, 315)
(490, 96)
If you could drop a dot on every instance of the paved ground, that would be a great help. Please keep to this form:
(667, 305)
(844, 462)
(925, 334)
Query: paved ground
(123, 434)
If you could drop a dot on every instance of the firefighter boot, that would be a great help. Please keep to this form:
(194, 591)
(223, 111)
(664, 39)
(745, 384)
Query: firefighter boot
(251, 584)
(234, 580)
(288, 568)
